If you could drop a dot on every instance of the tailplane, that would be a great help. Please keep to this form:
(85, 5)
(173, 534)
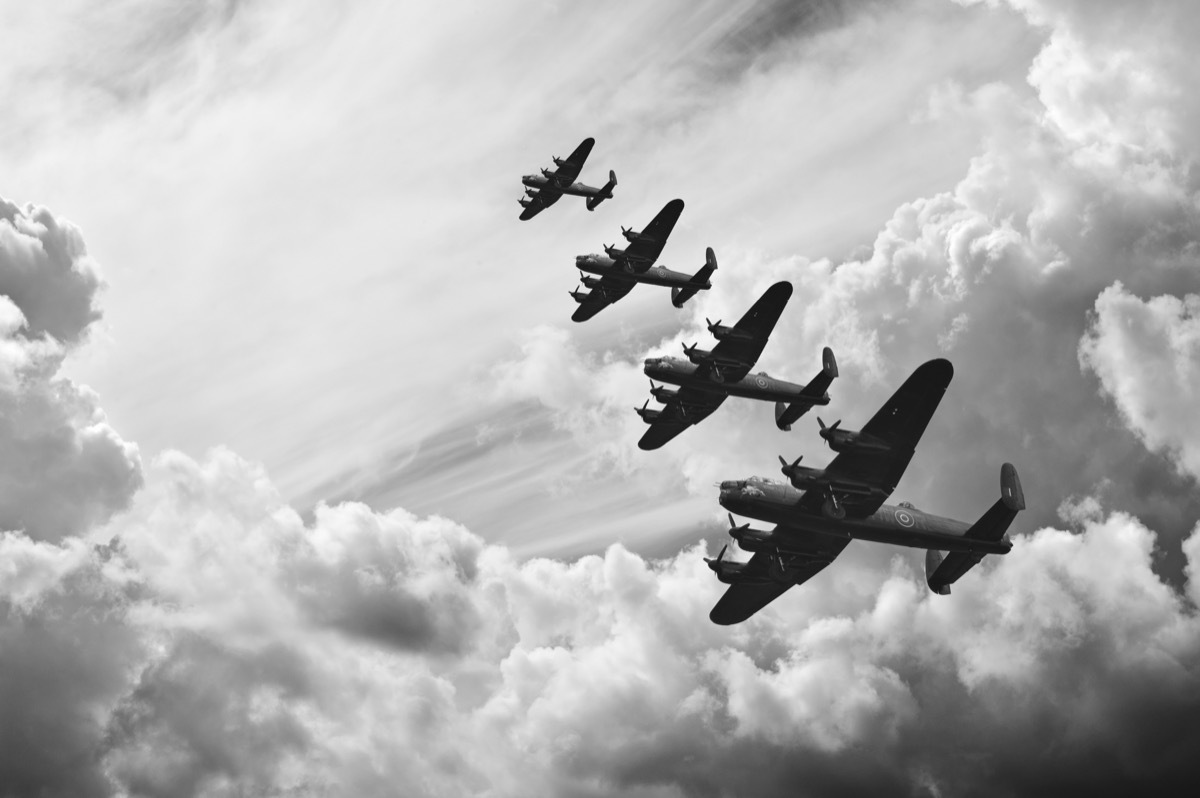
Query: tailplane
(699, 281)
(814, 393)
(942, 569)
(605, 192)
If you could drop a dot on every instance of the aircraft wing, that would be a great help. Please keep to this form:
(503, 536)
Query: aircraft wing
(900, 423)
(803, 561)
(689, 407)
(752, 331)
(568, 171)
(610, 290)
(540, 201)
(645, 249)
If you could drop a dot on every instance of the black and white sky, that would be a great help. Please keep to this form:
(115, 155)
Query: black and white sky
(309, 487)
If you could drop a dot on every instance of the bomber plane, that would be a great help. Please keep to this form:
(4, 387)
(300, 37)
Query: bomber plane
(707, 377)
(542, 191)
(620, 270)
(819, 511)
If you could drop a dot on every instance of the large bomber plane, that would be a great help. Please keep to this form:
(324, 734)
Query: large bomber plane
(707, 377)
(621, 269)
(822, 510)
(544, 190)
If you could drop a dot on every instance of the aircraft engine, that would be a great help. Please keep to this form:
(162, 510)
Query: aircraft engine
(696, 355)
(646, 413)
(662, 393)
(750, 539)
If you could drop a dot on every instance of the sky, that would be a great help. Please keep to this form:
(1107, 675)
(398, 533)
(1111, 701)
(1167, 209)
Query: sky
(309, 486)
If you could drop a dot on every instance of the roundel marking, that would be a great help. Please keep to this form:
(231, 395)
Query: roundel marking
(903, 518)
(760, 382)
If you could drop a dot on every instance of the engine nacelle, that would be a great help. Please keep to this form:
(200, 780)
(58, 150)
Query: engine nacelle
(753, 539)
(697, 356)
(590, 282)
(663, 394)
(720, 331)
(647, 414)
(844, 440)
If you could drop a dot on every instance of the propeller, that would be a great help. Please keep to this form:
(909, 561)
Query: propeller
(827, 431)
(734, 528)
(788, 469)
(687, 350)
(625, 230)
(715, 564)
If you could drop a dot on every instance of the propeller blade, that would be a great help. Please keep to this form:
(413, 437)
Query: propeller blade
(822, 423)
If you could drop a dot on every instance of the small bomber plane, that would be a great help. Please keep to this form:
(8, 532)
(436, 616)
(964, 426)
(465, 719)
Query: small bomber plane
(543, 190)
(822, 510)
(712, 375)
(621, 269)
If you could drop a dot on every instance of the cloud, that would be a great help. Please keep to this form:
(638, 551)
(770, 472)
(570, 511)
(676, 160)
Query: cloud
(64, 468)
(1071, 192)
(1147, 357)
(196, 635)
(227, 648)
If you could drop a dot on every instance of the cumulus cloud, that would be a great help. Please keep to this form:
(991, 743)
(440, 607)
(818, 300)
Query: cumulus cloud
(1147, 357)
(198, 636)
(63, 467)
(1072, 191)
(225, 650)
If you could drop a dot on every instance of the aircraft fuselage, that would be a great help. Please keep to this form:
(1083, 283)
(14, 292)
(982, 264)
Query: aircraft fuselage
(752, 386)
(574, 189)
(771, 501)
(655, 275)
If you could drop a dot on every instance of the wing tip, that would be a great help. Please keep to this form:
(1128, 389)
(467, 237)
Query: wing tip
(938, 369)
(722, 618)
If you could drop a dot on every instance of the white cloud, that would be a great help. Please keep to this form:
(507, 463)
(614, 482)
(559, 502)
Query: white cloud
(63, 467)
(208, 640)
(1147, 357)
(241, 655)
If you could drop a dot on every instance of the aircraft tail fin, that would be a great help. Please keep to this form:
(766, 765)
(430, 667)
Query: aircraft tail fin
(814, 393)
(605, 191)
(942, 569)
(699, 281)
